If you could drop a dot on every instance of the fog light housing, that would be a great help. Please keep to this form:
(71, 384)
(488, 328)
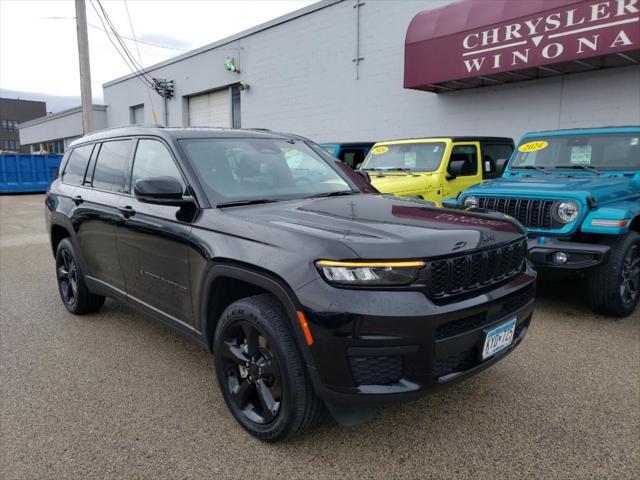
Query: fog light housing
(560, 258)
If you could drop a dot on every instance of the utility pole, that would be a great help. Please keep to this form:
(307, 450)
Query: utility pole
(85, 69)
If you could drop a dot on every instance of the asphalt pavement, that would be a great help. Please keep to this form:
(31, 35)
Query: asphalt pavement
(118, 395)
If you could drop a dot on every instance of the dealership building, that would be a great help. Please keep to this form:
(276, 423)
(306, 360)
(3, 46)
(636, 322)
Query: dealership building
(365, 70)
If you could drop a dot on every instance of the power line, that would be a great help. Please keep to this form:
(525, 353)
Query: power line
(125, 49)
(143, 42)
(133, 33)
(138, 75)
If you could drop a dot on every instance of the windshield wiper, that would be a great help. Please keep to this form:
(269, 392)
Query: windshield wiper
(579, 167)
(239, 203)
(531, 167)
(398, 169)
(332, 194)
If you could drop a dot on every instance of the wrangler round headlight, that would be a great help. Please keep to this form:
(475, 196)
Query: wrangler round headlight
(470, 201)
(363, 273)
(566, 211)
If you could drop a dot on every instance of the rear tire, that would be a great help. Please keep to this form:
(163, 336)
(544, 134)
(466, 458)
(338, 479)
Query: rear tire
(260, 371)
(614, 287)
(73, 289)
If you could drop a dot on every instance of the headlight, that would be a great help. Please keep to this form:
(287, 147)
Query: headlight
(566, 211)
(370, 273)
(470, 201)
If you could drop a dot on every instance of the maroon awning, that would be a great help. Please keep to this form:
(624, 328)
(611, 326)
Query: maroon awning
(476, 43)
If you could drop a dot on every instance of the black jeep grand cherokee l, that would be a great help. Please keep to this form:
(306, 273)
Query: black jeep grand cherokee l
(309, 286)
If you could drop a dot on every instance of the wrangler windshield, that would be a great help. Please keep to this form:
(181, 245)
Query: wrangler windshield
(237, 169)
(422, 157)
(582, 152)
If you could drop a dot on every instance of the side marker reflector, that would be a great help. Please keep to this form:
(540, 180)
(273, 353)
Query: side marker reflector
(305, 327)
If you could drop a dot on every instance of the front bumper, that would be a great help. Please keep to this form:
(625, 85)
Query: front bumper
(579, 256)
(374, 347)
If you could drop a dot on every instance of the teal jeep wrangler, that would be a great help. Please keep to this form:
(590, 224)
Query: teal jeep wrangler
(578, 193)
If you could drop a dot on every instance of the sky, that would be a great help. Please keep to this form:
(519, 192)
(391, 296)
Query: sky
(39, 53)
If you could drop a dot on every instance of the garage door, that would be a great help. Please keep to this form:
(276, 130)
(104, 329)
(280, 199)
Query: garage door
(210, 109)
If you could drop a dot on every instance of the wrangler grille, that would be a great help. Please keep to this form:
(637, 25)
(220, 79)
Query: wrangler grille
(530, 213)
(469, 272)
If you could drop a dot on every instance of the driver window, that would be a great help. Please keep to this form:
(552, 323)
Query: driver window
(464, 161)
(153, 159)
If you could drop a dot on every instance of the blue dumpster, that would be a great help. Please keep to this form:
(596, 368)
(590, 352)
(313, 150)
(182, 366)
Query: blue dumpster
(27, 173)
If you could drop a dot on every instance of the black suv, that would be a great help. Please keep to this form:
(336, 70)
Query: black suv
(309, 286)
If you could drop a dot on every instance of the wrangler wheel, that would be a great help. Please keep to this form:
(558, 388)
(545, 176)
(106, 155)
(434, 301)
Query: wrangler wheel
(614, 288)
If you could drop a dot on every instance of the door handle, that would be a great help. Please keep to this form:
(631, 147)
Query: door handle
(77, 199)
(127, 211)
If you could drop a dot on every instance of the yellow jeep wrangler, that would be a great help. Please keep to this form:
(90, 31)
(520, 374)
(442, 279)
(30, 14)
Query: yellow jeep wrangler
(436, 168)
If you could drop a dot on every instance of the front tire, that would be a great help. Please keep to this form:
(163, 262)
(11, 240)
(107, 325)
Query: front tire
(74, 293)
(260, 371)
(614, 288)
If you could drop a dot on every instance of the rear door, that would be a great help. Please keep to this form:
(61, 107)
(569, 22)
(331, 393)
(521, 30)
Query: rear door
(97, 216)
(154, 240)
(463, 168)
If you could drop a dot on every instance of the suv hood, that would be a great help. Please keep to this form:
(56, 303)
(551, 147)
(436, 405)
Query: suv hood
(604, 188)
(372, 226)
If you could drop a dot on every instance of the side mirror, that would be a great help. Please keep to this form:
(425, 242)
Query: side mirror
(358, 165)
(450, 176)
(364, 175)
(160, 191)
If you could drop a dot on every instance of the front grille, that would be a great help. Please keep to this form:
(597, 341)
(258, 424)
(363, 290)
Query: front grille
(373, 370)
(469, 272)
(531, 213)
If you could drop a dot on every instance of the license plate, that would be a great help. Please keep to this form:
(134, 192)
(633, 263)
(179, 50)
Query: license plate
(499, 338)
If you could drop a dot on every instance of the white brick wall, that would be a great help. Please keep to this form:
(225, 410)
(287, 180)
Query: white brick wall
(302, 79)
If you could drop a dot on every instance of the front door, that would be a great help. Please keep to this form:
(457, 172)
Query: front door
(463, 169)
(154, 240)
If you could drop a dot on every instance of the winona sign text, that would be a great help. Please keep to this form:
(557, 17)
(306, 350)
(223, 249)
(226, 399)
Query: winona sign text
(586, 30)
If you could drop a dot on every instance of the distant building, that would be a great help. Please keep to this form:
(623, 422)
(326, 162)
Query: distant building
(13, 112)
(53, 133)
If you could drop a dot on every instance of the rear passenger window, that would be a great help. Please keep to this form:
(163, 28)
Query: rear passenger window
(111, 166)
(77, 165)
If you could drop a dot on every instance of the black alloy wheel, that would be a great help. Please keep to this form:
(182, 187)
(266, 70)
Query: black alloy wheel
(75, 294)
(67, 278)
(252, 372)
(260, 370)
(630, 275)
(614, 287)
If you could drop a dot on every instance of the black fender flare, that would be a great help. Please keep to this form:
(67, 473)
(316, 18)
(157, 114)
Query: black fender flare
(62, 222)
(264, 280)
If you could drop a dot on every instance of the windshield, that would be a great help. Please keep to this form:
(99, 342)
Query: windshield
(620, 151)
(235, 169)
(423, 157)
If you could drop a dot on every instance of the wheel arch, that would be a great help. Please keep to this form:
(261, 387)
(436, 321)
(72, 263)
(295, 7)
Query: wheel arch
(225, 283)
(635, 224)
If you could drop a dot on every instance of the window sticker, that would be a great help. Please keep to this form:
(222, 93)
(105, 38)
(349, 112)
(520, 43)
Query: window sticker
(410, 160)
(634, 141)
(533, 146)
(581, 155)
(379, 150)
